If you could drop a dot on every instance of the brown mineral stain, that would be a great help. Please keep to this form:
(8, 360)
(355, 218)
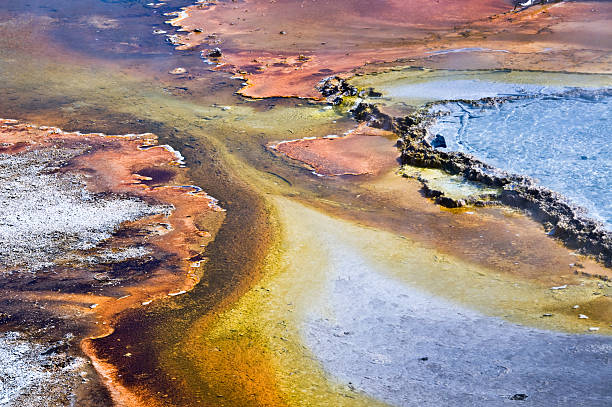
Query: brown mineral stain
(239, 369)
(121, 395)
(284, 48)
(496, 238)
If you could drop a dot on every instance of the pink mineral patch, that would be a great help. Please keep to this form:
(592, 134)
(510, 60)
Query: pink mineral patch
(364, 151)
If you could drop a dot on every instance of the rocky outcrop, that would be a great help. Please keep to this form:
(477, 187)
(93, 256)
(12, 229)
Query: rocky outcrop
(563, 220)
(335, 88)
(569, 223)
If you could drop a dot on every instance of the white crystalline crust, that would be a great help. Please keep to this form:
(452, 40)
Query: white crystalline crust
(28, 377)
(561, 140)
(45, 213)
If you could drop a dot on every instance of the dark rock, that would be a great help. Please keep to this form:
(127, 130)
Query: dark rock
(58, 348)
(438, 141)
(374, 94)
(214, 53)
(429, 192)
(366, 112)
(450, 202)
(335, 86)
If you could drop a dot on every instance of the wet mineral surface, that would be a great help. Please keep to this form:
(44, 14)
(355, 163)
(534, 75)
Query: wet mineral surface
(532, 136)
(91, 225)
(324, 274)
(283, 48)
(362, 151)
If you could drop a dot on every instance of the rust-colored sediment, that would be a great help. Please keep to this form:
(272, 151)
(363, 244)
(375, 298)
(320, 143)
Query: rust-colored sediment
(283, 48)
(135, 166)
(364, 151)
(241, 369)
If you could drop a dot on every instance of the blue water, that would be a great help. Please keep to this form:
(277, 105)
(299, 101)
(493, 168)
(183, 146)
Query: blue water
(125, 28)
(564, 141)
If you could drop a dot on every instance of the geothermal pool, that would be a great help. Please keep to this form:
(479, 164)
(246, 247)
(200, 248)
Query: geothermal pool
(305, 289)
(561, 139)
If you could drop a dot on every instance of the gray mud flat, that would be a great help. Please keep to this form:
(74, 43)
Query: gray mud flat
(408, 348)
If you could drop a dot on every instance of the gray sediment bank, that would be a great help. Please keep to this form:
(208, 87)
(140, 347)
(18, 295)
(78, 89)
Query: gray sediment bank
(562, 219)
(410, 348)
